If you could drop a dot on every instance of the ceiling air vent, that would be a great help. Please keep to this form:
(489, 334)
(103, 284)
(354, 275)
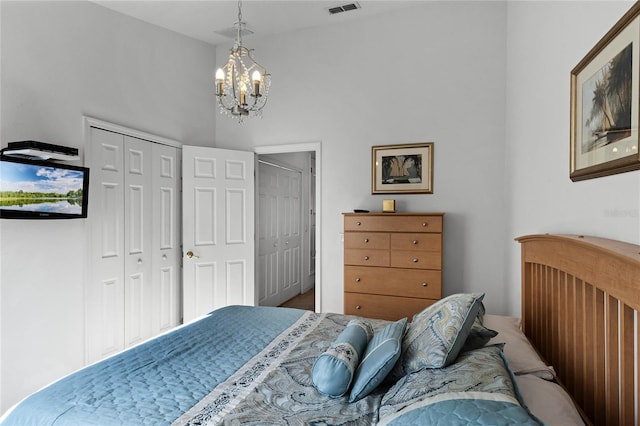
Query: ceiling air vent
(344, 8)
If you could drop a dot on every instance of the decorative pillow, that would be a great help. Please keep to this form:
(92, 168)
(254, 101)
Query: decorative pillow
(382, 353)
(334, 369)
(479, 335)
(436, 335)
(477, 389)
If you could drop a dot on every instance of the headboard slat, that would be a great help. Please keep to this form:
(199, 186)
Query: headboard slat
(611, 371)
(627, 350)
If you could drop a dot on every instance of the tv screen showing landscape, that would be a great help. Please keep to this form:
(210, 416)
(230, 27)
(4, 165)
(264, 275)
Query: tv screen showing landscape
(42, 190)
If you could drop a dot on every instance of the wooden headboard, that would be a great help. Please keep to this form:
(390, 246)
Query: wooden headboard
(580, 303)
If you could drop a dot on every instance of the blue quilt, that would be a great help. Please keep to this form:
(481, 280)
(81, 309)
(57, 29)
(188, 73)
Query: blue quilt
(252, 366)
(156, 382)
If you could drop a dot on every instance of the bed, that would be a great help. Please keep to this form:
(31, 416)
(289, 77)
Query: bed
(452, 364)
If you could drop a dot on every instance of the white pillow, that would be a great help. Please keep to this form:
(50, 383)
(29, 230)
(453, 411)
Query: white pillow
(522, 357)
(548, 401)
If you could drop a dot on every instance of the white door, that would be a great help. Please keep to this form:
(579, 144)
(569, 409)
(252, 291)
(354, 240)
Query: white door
(134, 280)
(280, 238)
(166, 274)
(218, 229)
(105, 286)
(291, 235)
(268, 261)
(137, 244)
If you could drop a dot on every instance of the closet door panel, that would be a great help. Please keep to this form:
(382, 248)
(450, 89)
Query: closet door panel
(268, 231)
(105, 284)
(138, 229)
(165, 239)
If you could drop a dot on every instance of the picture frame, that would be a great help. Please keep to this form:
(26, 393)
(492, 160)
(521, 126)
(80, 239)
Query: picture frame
(402, 169)
(605, 103)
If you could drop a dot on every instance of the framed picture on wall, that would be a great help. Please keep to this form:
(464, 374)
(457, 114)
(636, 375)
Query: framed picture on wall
(605, 103)
(402, 169)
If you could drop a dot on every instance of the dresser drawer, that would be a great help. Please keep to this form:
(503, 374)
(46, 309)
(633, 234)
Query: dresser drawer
(383, 307)
(366, 240)
(425, 284)
(415, 241)
(366, 257)
(416, 259)
(393, 223)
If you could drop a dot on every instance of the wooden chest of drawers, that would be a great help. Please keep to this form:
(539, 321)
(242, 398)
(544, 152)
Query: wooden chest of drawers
(392, 263)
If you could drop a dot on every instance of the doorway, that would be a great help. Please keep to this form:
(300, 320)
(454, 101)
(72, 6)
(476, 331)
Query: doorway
(305, 158)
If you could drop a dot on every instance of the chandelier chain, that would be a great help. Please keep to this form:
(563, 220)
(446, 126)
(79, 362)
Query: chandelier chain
(239, 38)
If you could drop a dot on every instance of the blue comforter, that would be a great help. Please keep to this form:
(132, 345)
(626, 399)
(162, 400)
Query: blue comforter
(156, 382)
(252, 366)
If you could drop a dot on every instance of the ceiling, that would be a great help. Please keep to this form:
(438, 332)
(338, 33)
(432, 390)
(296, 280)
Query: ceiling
(203, 18)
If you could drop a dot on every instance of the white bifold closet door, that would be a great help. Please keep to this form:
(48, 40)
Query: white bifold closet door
(280, 252)
(133, 288)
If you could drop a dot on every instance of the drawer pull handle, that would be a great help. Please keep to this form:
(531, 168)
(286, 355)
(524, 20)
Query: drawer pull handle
(415, 241)
(366, 258)
(415, 260)
(366, 240)
(358, 223)
(358, 279)
(425, 224)
(358, 307)
(424, 284)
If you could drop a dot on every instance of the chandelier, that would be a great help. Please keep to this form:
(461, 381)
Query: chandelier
(242, 84)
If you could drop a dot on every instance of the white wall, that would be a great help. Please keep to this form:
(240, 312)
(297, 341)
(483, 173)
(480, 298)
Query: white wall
(546, 40)
(61, 60)
(432, 72)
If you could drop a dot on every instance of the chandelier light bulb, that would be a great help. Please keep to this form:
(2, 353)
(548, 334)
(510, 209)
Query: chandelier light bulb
(243, 94)
(256, 83)
(219, 81)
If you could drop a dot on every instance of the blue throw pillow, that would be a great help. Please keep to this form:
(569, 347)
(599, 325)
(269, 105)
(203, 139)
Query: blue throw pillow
(436, 335)
(382, 353)
(333, 371)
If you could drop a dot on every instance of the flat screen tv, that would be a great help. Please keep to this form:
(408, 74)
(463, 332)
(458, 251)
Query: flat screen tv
(31, 189)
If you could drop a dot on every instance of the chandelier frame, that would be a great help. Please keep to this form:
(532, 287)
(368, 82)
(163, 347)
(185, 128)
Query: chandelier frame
(242, 89)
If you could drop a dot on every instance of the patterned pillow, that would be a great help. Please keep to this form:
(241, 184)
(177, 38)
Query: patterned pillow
(382, 353)
(333, 371)
(436, 335)
(477, 389)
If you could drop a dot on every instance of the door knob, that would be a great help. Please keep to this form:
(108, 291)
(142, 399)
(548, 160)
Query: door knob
(191, 255)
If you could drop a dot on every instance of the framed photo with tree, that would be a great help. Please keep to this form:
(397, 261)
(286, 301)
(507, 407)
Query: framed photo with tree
(605, 103)
(402, 169)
